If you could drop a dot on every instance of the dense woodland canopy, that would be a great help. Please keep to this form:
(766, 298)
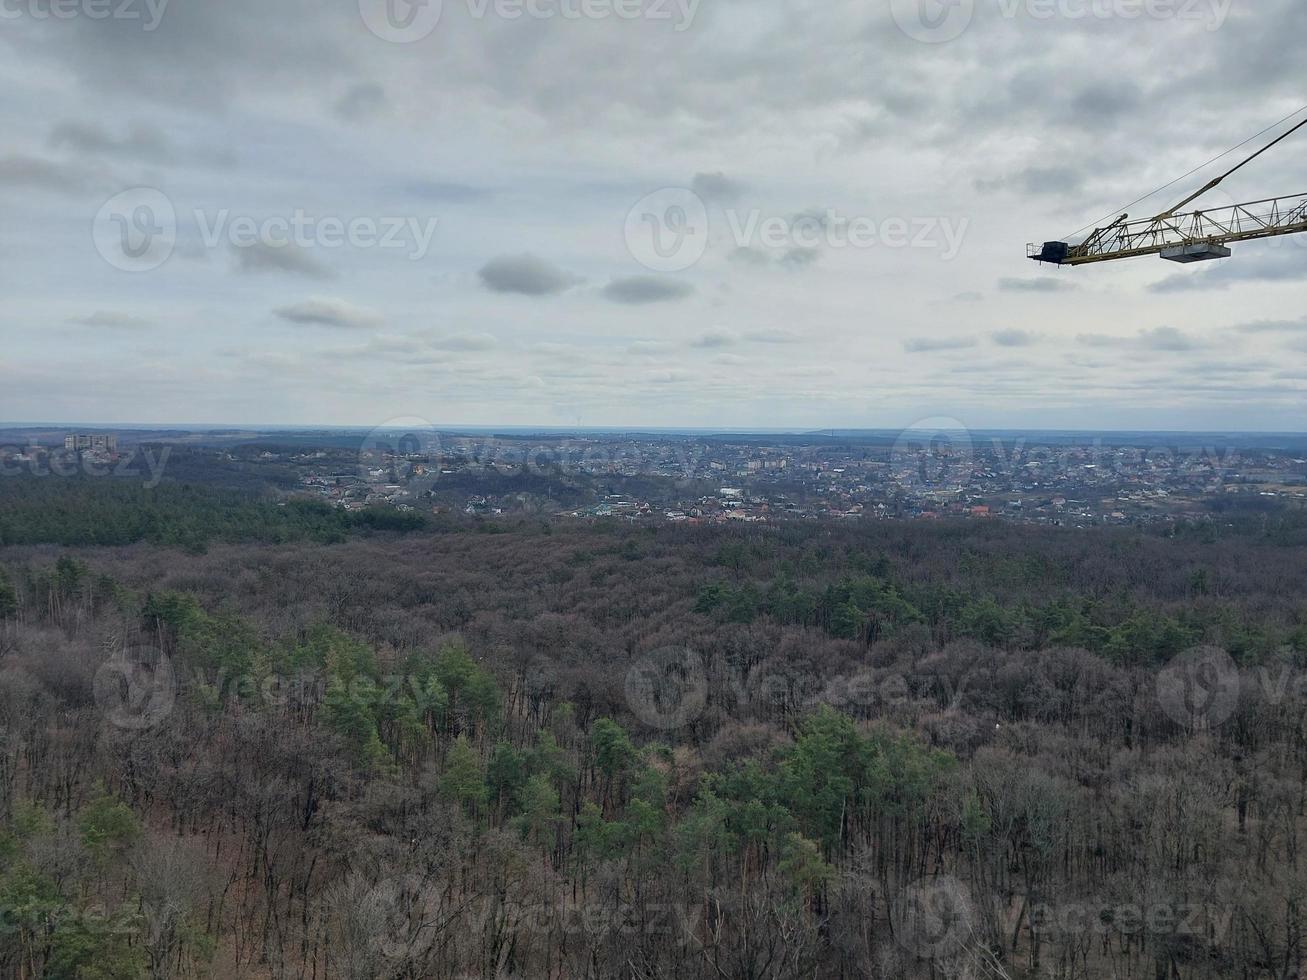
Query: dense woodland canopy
(278, 742)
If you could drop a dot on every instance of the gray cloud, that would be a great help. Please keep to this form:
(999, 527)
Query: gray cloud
(108, 320)
(1157, 338)
(924, 345)
(1273, 326)
(1287, 266)
(650, 348)
(526, 275)
(1014, 338)
(446, 191)
(289, 258)
(751, 256)
(362, 101)
(1167, 338)
(717, 338)
(466, 342)
(774, 337)
(641, 290)
(140, 141)
(800, 257)
(33, 173)
(1043, 284)
(717, 188)
(1060, 180)
(329, 313)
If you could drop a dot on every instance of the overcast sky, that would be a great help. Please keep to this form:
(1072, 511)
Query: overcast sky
(736, 213)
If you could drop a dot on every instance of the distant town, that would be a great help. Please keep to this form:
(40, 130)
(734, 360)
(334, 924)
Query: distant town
(1057, 479)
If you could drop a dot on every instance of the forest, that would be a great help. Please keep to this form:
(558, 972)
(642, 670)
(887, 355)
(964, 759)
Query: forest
(240, 739)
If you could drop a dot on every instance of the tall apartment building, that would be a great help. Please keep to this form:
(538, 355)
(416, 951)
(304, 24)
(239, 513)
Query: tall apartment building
(92, 442)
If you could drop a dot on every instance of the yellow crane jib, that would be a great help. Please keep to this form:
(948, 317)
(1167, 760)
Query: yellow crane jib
(1195, 236)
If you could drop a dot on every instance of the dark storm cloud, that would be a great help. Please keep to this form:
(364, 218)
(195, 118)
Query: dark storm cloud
(642, 290)
(526, 275)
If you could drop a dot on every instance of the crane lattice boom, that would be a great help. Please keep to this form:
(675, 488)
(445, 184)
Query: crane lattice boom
(1196, 236)
(1182, 237)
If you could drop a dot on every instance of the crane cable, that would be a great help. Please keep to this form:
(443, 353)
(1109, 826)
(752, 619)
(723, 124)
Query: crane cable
(1117, 211)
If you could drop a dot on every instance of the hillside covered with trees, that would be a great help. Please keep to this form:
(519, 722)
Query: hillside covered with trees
(871, 750)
